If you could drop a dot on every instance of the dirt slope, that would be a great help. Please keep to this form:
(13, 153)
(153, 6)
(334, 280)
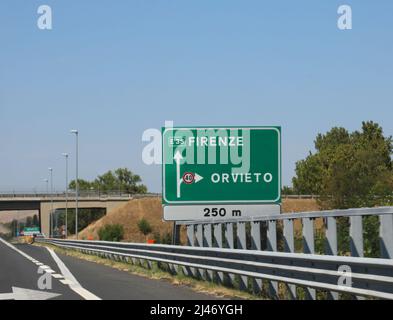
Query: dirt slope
(151, 210)
(128, 216)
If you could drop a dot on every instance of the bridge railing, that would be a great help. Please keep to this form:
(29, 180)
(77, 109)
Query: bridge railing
(264, 255)
(72, 194)
(96, 193)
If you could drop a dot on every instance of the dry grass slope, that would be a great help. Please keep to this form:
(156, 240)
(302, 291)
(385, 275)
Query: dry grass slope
(128, 216)
(151, 210)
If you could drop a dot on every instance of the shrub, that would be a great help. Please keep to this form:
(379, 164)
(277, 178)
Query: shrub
(157, 237)
(144, 227)
(111, 232)
(166, 238)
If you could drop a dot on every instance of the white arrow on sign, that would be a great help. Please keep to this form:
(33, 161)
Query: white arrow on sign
(27, 294)
(197, 178)
(178, 158)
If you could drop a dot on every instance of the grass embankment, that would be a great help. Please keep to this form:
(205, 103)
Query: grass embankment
(150, 209)
(157, 273)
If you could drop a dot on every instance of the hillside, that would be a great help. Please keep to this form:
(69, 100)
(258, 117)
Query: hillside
(129, 215)
(151, 210)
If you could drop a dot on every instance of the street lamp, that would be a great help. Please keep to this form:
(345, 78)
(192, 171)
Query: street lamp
(76, 183)
(51, 198)
(66, 210)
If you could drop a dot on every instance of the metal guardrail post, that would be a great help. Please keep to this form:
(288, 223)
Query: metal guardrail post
(199, 243)
(208, 242)
(331, 245)
(309, 247)
(190, 242)
(386, 236)
(289, 246)
(256, 245)
(356, 235)
(272, 246)
(356, 239)
(229, 238)
(242, 244)
(217, 243)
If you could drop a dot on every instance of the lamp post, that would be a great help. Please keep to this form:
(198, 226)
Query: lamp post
(51, 200)
(66, 209)
(76, 182)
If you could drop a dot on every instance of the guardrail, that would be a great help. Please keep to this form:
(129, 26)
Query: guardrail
(299, 196)
(370, 277)
(245, 253)
(284, 232)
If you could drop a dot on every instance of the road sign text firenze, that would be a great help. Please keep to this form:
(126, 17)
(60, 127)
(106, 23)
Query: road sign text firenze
(210, 146)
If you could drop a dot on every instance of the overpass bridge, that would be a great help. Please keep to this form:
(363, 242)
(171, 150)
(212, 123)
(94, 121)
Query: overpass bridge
(43, 202)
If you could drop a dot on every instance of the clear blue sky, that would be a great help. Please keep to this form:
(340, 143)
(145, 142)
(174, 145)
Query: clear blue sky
(115, 68)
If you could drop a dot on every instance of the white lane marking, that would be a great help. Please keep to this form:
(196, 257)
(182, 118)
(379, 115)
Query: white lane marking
(57, 276)
(75, 286)
(27, 294)
(49, 271)
(17, 250)
(71, 280)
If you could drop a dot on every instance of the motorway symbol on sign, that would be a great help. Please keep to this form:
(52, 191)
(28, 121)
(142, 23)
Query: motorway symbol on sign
(239, 165)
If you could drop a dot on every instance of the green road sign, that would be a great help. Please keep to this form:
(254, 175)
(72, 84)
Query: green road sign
(221, 165)
(32, 229)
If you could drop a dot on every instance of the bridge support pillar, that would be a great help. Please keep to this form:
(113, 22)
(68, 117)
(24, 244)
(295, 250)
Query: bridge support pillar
(45, 208)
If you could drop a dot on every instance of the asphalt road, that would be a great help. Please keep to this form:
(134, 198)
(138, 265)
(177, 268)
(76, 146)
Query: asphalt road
(75, 279)
(17, 271)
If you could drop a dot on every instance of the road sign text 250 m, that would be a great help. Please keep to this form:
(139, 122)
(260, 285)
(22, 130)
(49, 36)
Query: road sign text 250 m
(220, 212)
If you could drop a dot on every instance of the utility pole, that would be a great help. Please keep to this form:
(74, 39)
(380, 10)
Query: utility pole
(76, 183)
(47, 188)
(66, 209)
(51, 200)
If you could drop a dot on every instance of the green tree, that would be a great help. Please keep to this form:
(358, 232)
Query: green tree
(348, 169)
(83, 185)
(286, 190)
(129, 182)
(106, 182)
(14, 227)
(85, 218)
(120, 180)
(29, 222)
(36, 222)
